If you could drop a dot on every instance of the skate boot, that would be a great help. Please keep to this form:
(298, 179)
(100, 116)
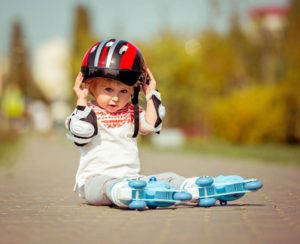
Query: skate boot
(206, 190)
(139, 194)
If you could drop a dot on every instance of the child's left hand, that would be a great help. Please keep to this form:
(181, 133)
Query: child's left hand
(152, 83)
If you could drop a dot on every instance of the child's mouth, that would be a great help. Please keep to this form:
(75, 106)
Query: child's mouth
(112, 107)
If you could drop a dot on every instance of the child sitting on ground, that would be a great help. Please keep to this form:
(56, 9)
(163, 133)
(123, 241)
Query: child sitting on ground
(113, 72)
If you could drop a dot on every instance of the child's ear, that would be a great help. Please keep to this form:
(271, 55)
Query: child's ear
(91, 86)
(91, 91)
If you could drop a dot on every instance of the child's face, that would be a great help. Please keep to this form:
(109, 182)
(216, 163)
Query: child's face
(109, 94)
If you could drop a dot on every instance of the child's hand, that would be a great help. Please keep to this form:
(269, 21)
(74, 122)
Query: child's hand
(152, 83)
(81, 90)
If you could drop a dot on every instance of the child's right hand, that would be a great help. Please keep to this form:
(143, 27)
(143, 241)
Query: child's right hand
(81, 90)
(146, 88)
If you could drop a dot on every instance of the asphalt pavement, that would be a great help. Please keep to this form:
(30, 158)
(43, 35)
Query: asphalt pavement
(37, 204)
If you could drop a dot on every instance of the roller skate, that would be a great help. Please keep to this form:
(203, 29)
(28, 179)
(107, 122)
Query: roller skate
(140, 195)
(206, 191)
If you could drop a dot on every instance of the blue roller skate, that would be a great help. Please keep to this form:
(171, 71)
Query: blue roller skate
(139, 194)
(207, 190)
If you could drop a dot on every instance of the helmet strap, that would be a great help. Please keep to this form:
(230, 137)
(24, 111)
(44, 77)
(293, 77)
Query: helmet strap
(135, 102)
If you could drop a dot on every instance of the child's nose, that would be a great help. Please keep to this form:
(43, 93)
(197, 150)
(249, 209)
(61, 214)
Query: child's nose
(115, 98)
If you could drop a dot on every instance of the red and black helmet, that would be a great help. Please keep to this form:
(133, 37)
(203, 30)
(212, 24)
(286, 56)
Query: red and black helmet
(114, 59)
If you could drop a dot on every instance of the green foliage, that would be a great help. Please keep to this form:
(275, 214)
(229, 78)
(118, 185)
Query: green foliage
(289, 96)
(83, 38)
(192, 73)
(267, 152)
(232, 86)
(13, 102)
(250, 115)
(175, 71)
(9, 145)
(19, 72)
(290, 85)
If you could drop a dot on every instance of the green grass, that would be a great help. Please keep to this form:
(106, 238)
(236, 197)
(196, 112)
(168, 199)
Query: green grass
(269, 153)
(8, 148)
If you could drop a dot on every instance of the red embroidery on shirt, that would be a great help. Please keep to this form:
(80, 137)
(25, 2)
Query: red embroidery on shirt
(115, 119)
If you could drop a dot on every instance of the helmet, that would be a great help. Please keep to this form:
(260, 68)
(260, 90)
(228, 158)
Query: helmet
(114, 59)
(119, 60)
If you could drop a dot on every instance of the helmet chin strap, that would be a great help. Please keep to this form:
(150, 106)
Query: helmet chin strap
(135, 102)
(143, 79)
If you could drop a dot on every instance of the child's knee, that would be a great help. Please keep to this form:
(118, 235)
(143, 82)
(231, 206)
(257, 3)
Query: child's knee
(95, 190)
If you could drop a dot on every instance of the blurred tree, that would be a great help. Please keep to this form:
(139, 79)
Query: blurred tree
(267, 107)
(239, 43)
(222, 69)
(18, 86)
(191, 74)
(19, 72)
(242, 89)
(172, 62)
(267, 44)
(82, 39)
(290, 86)
(222, 58)
(252, 115)
(214, 11)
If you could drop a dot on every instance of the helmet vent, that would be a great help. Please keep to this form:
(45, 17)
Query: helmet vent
(109, 44)
(123, 49)
(94, 48)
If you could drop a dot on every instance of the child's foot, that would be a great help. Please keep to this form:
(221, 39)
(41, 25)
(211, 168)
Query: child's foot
(207, 190)
(139, 194)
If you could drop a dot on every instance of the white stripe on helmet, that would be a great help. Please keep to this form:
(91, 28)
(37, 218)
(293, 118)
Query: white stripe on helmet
(110, 53)
(97, 56)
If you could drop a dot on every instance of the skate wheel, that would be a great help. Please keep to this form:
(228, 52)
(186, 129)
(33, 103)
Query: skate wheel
(182, 196)
(223, 203)
(139, 205)
(152, 207)
(231, 197)
(137, 184)
(204, 181)
(153, 179)
(254, 185)
(207, 202)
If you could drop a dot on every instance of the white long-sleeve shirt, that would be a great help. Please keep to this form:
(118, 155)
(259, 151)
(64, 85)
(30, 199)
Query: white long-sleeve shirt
(113, 151)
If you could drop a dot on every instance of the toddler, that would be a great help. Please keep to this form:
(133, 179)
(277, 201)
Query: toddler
(105, 128)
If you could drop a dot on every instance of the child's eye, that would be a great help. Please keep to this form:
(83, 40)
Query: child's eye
(124, 91)
(108, 89)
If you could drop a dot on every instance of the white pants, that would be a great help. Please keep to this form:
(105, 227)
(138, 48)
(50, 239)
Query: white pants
(96, 188)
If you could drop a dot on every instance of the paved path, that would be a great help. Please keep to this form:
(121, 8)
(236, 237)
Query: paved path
(37, 204)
